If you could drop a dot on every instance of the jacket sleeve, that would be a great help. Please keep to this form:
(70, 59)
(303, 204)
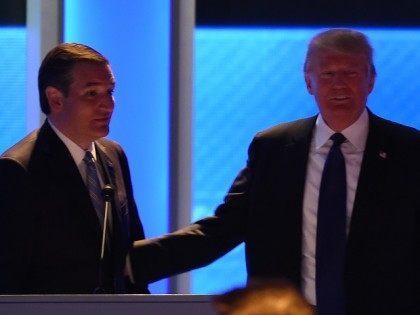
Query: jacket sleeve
(16, 225)
(202, 242)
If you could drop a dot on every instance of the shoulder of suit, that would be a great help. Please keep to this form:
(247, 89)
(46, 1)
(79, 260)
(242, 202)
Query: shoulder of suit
(110, 145)
(391, 130)
(399, 142)
(289, 130)
(21, 152)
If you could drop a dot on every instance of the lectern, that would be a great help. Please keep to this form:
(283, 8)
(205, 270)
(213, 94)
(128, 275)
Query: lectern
(171, 304)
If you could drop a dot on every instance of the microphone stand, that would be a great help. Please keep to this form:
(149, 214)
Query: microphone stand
(107, 193)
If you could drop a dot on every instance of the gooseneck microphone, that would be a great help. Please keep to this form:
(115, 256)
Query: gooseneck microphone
(107, 194)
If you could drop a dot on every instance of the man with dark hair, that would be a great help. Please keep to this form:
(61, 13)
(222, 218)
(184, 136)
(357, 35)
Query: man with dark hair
(56, 235)
(331, 203)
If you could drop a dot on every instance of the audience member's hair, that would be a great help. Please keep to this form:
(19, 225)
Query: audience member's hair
(268, 298)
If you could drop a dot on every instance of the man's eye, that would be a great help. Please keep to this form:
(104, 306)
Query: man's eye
(92, 93)
(327, 75)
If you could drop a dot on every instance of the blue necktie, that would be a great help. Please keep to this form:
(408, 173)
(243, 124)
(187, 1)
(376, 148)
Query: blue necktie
(331, 233)
(94, 186)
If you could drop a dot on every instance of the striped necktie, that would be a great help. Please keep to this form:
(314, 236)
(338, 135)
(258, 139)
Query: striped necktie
(94, 186)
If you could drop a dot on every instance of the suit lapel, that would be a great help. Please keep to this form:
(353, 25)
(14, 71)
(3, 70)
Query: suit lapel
(120, 230)
(106, 165)
(108, 170)
(111, 177)
(298, 151)
(288, 166)
(371, 185)
(63, 172)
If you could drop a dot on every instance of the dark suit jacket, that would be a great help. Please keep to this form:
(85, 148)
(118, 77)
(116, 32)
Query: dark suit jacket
(264, 209)
(50, 235)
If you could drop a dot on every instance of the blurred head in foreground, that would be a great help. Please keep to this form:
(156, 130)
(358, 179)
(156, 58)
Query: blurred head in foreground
(272, 298)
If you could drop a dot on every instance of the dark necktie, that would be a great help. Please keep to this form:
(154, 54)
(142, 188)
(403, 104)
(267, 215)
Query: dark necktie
(331, 232)
(94, 186)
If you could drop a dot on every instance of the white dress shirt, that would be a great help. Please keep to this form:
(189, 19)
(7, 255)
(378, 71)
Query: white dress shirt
(78, 153)
(352, 150)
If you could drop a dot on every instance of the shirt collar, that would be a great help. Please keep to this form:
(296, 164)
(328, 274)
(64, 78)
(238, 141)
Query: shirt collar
(356, 133)
(76, 152)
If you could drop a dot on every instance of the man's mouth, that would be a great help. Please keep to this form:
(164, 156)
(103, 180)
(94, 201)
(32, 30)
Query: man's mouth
(103, 119)
(339, 98)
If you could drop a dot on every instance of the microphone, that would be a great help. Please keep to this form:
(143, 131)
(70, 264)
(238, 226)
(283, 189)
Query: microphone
(107, 194)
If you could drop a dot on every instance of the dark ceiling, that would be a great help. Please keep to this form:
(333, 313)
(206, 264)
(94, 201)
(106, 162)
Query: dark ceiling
(401, 13)
(308, 12)
(12, 12)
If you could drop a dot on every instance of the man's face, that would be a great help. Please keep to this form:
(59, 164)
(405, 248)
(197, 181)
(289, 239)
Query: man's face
(340, 83)
(85, 113)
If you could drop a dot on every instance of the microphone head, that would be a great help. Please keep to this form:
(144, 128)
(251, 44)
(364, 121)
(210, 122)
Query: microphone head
(107, 192)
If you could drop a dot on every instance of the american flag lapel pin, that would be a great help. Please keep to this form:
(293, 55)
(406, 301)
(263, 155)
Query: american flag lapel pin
(382, 154)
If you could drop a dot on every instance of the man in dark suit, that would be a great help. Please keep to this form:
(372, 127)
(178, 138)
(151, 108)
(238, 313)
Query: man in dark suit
(51, 207)
(346, 234)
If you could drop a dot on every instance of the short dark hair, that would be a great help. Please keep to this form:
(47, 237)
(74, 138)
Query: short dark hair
(56, 68)
(341, 40)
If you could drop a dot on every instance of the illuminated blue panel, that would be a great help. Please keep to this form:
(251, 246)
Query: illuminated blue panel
(247, 80)
(12, 85)
(135, 37)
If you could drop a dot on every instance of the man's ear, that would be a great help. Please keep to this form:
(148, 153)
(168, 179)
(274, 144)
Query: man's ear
(55, 99)
(371, 83)
(308, 83)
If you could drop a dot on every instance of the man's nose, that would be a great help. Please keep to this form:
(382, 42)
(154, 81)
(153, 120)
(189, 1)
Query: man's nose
(108, 102)
(339, 79)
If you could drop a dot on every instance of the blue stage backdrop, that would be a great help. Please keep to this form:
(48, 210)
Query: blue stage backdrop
(12, 85)
(135, 36)
(247, 80)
